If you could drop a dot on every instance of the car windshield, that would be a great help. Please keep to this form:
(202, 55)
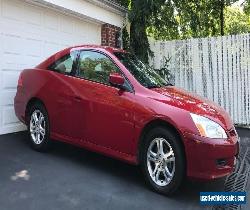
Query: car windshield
(143, 73)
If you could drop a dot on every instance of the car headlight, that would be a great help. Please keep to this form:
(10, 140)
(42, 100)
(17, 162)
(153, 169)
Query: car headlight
(208, 128)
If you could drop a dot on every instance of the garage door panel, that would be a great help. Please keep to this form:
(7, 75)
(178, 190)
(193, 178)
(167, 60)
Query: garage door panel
(13, 62)
(67, 25)
(81, 29)
(68, 40)
(1, 83)
(51, 21)
(95, 34)
(10, 128)
(8, 28)
(12, 44)
(50, 48)
(11, 10)
(6, 97)
(9, 66)
(53, 39)
(34, 36)
(21, 46)
(1, 5)
(34, 49)
(29, 62)
(17, 16)
(35, 13)
(9, 117)
(10, 79)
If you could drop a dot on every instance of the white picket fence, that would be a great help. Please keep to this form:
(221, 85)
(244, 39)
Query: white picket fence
(217, 68)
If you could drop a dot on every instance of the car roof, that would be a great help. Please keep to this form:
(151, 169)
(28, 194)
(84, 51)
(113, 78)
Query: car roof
(61, 53)
(91, 46)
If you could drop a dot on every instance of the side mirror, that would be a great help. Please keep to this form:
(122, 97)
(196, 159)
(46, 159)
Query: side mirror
(116, 80)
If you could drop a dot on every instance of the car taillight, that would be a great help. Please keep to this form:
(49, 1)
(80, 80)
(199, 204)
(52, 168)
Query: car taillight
(20, 81)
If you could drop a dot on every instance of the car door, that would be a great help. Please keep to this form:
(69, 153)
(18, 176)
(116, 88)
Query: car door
(107, 117)
(63, 100)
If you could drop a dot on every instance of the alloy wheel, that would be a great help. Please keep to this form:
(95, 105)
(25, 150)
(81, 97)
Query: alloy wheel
(161, 161)
(37, 127)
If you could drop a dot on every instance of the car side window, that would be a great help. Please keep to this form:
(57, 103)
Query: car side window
(64, 65)
(96, 66)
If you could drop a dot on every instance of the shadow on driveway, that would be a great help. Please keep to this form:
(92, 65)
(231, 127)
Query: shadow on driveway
(72, 178)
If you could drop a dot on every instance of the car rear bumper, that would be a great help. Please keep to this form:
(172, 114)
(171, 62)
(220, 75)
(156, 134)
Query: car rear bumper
(19, 106)
(209, 159)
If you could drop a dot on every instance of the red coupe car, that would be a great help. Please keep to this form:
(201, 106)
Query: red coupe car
(106, 100)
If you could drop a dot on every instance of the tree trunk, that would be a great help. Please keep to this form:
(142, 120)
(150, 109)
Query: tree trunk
(139, 41)
(222, 5)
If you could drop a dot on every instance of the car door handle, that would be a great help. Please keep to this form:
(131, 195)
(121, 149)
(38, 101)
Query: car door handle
(77, 98)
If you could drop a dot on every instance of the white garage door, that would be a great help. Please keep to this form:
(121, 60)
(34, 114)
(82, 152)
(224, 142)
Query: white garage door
(28, 35)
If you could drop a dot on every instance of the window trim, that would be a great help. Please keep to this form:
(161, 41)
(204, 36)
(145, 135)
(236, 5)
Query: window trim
(74, 65)
(130, 87)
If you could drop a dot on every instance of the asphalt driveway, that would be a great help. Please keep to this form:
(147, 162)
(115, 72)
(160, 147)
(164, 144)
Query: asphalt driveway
(72, 178)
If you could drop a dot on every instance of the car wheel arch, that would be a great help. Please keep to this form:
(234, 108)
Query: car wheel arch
(158, 123)
(31, 102)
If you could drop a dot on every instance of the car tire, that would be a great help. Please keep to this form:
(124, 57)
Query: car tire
(38, 127)
(163, 166)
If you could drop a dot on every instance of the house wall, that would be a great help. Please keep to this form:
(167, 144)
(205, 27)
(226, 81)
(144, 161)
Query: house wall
(110, 35)
(90, 9)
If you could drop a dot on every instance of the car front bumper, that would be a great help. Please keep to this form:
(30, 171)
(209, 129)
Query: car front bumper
(209, 159)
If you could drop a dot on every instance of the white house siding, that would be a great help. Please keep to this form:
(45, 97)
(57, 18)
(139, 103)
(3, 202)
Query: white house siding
(94, 9)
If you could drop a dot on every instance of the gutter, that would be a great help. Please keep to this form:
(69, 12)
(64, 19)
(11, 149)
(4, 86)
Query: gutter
(111, 6)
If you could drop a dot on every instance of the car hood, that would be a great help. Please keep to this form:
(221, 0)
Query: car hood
(196, 104)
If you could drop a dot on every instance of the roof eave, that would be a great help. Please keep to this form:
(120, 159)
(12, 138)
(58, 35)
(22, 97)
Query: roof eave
(111, 6)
